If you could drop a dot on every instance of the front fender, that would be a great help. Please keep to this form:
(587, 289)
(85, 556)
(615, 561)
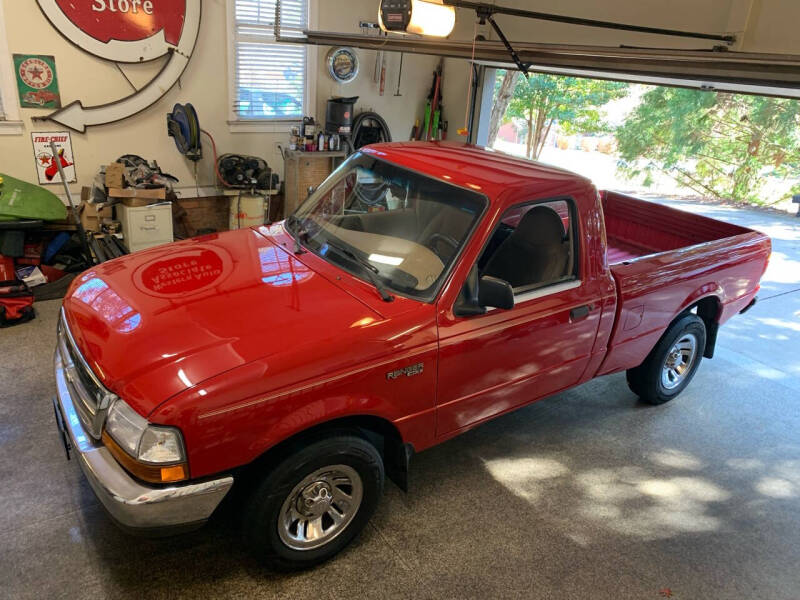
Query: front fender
(235, 418)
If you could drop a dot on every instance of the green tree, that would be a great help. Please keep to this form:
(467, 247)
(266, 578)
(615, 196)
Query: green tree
(719, 144)
(573, 102)
(504, 86)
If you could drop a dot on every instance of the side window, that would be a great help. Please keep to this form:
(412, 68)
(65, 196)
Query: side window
(534, 246)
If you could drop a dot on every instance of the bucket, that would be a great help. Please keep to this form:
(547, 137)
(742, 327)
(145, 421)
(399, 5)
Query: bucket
(339, 115)
(246, 210)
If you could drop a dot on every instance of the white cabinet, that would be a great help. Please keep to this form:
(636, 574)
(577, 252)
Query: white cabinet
(146, 226)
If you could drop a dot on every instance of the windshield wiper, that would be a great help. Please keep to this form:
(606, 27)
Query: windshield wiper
(298, 248)
(370, 269)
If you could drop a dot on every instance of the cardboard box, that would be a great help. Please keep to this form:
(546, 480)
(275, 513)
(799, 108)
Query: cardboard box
(93, 215)
(115, 175)
(134, 197)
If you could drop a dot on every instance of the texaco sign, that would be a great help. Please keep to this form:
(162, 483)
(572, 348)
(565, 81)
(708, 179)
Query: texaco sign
(36, 73)
(126, 31)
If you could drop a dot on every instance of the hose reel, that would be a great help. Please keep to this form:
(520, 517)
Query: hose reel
(183, 126)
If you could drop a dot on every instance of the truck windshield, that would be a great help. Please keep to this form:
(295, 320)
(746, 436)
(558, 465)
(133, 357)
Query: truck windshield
(408, 227)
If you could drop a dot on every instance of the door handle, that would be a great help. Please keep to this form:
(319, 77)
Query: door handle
(579, 313)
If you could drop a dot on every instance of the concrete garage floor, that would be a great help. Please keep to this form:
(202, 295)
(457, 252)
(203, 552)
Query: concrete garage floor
(588, 494)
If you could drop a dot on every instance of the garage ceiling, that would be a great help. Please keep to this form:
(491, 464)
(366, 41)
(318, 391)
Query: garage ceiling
(724, 70)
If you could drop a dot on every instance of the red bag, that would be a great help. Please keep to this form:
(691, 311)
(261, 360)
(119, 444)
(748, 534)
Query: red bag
(16, 303)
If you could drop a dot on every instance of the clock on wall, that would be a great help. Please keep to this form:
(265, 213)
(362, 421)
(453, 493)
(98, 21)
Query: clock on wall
(343, 64)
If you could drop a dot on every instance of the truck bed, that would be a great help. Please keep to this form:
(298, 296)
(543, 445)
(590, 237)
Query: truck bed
(664, 261)
(637, 228)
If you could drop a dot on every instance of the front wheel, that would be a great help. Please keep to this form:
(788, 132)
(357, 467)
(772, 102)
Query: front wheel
(670, 366)
(314, 502)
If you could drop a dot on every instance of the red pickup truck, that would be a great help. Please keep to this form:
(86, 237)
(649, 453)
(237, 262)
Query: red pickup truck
(421, 290)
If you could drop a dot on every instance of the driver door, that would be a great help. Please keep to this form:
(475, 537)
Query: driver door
(494, 362)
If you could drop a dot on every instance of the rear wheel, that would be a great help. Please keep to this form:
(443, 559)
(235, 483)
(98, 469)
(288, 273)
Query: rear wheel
(314, 502)
(670, 366)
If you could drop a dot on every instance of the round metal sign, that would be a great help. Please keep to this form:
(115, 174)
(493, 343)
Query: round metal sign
(343, 64)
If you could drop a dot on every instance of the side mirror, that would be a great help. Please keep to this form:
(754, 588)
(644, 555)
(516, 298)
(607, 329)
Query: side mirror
(495, 293)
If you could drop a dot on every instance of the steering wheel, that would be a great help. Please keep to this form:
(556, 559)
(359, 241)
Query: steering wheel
(433, 243)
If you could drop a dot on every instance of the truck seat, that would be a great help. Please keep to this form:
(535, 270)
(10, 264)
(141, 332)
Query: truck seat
(445, 220)
(535, 253)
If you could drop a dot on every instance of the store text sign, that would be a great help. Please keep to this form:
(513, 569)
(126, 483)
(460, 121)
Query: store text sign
(125, 31)
(127, 20)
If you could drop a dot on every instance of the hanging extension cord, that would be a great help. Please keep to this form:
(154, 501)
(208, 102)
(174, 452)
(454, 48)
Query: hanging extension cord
(216, 160)
(465, 130)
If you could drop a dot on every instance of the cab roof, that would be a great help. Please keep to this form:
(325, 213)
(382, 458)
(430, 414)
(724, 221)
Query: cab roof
(481, 169)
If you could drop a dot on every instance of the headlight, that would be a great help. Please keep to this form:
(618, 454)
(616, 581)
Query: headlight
(126, 427)
(150, 452)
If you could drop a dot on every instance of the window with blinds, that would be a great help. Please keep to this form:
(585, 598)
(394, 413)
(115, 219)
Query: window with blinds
(270, 78)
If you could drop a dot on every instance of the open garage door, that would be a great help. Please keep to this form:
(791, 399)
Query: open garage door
(718, 69)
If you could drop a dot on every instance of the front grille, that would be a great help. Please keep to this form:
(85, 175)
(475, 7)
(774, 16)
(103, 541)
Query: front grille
(91, 398)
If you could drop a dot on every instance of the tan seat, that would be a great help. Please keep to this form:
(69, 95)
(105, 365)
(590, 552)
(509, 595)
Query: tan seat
(446, 221)
(535, 253)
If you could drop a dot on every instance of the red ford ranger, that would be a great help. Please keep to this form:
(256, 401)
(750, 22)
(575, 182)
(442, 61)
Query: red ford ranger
(421, 290)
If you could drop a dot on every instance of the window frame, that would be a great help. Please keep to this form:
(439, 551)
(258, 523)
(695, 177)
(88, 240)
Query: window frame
(11, 123)
(278, 125)
(540, 290)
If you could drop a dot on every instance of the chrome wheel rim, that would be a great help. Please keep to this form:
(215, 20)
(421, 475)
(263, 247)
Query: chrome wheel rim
(679, 361)
(320, 507)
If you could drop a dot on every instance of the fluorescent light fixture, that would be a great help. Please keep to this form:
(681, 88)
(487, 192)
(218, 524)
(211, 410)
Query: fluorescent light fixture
(423, 17)
(386, 260)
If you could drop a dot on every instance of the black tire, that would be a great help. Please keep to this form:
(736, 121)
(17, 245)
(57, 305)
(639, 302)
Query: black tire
(632, 375)
(646, 380)
(265, 506)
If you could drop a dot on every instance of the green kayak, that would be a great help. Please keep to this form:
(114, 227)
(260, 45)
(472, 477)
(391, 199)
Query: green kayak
(22, 200)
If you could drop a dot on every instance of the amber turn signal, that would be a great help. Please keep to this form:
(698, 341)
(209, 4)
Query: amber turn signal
(149, 473)
(173, 473)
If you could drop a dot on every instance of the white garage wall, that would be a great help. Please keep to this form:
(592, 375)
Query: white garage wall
(769, 27)
(204, 83)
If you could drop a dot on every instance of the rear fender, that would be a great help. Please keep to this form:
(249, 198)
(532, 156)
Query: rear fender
(708, 290)
(706, 300)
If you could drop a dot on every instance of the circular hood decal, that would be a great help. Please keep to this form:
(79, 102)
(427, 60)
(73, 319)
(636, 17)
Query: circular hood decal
(184, 273)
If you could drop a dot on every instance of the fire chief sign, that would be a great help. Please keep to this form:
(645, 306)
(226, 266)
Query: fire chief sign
(46, 163)
(126, 31)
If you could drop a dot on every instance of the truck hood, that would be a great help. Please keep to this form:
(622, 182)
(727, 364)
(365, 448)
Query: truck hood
(155, 323)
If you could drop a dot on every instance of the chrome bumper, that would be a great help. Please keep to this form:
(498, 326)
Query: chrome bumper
(132, 504)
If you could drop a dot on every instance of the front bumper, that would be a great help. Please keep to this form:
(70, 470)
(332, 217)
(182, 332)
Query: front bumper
(133, 505)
